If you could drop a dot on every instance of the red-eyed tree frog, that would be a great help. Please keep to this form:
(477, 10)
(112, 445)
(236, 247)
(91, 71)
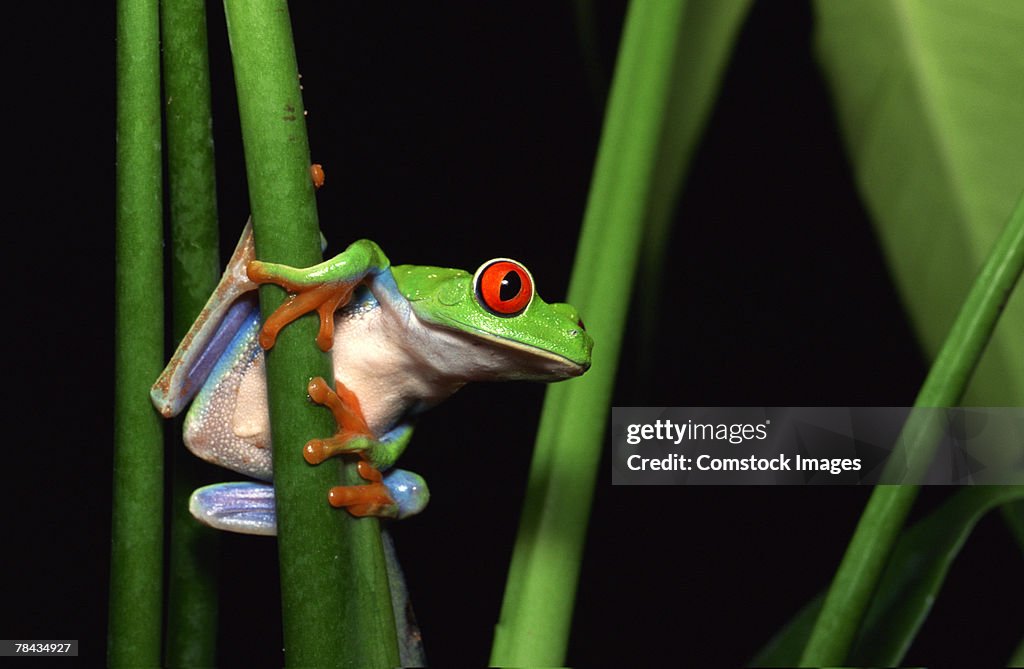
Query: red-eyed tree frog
(402, 339)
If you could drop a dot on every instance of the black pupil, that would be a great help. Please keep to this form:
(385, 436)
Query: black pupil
(511, 284)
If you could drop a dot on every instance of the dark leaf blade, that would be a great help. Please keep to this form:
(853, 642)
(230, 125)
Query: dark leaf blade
(784, 649)
(915, 574)
(910, 584)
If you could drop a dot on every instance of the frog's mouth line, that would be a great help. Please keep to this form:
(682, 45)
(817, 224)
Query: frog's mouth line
(565, 367)
(536, 363)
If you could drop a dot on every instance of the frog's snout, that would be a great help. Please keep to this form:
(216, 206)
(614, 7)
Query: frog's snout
(568, 338)
(578, 331)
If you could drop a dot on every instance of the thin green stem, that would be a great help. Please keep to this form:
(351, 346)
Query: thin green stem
(537, 609)
(136, 560)
(336, 605)
(886, 511)
(192, 566)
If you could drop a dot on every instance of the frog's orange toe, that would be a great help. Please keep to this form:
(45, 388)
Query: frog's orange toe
(363, 500)
(315, 451)
(343, 403)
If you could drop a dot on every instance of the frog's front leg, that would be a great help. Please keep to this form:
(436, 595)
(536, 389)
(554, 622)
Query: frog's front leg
(324, 288)
(376, 455)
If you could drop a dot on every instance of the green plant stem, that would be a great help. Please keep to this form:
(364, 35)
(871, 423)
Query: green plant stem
(335, 600)
(195, 269)
(886, 511)
(136, 559)
(537, 608)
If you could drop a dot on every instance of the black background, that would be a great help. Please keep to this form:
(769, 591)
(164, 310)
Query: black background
(451, 134)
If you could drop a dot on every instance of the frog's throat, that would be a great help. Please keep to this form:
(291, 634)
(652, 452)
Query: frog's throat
(560, 366)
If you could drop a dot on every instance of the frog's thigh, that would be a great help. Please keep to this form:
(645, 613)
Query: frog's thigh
(228, 424)
(390, 446)
(251, 418)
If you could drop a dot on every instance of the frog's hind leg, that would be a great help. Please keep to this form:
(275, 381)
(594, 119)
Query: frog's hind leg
(243, 507)
(224, 313)
(248, 507)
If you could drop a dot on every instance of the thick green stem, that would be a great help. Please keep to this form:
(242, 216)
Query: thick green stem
(537, 609)
(192, 583)
(136, 560)
(336, 606)
(879, 525)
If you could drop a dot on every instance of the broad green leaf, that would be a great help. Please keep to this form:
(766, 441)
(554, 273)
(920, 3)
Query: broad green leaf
(929, 98)
(909, 586)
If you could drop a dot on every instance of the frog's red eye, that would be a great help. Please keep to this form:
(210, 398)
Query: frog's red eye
(503, 287)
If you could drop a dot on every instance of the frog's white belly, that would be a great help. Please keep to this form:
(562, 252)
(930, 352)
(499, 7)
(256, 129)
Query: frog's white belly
(392, 362)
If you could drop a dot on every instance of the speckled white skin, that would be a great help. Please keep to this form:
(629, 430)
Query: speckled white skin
(210, 426)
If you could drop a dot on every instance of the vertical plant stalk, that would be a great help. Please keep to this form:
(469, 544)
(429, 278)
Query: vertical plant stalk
(195, 261)
(136, 558)
(336, 605)
(537, 609)
(883, 517)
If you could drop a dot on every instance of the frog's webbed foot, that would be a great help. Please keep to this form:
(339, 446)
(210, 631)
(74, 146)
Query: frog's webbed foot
(323, 288)
(375, 498)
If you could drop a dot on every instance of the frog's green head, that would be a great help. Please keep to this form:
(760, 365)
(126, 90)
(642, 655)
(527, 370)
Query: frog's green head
(499, 309)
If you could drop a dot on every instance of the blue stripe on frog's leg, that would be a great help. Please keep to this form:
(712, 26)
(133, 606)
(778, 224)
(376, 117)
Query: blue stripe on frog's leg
(324, 288)
(248, 507)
